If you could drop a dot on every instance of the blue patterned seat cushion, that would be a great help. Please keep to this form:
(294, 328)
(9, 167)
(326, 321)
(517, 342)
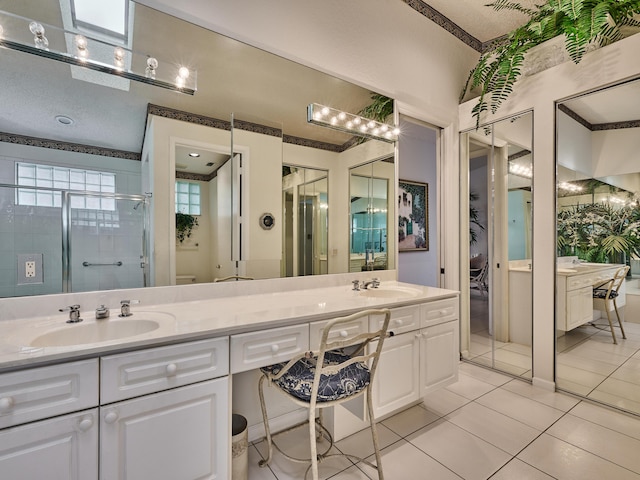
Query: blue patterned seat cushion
(602, 293)
(297, 381)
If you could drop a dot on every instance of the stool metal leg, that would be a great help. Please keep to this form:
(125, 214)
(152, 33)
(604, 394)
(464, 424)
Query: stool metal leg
(613, 334)
(615, 305)
(374, 435)
(265, 420)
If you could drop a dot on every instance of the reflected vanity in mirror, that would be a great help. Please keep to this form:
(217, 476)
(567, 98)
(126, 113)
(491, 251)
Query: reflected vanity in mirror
(143, 135)
(598, 215)
(499, 158)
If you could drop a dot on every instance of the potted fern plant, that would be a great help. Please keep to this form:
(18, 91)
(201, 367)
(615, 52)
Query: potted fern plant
(184, 225)
(582, 23)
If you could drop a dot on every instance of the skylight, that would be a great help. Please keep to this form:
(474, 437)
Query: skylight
(109, 17)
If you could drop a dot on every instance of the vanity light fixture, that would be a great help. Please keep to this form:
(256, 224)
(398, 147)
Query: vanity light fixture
(194, 154)
(569, 187)
(77, 54)
(351, 123)
(521, 170)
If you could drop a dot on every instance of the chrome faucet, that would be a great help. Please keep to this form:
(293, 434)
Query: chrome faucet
(102, 312)
(125, 307)
(374, 282)
(74, 313)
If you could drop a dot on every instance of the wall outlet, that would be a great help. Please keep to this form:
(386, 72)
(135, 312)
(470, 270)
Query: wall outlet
(30, 269)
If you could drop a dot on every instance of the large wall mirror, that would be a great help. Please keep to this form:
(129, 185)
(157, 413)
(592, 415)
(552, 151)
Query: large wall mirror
(598, 240)
(225, 145)
(497, 331)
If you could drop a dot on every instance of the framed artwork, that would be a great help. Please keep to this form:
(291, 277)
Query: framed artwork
(413, 216)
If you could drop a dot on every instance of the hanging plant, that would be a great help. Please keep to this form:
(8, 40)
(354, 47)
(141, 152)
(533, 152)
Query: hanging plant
(583, 23)
(184, 225)
(474, 219)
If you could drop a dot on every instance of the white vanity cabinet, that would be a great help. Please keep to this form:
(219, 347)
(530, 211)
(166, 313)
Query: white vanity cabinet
(421, 357)
(63, 447)
(175, 433)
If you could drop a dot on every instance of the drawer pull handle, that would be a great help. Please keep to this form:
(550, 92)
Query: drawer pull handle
(85, 424)
(398, 321)
(275, 348)
(172, 368)
(111, 417)
(343, 333)
(6, 403)
(443, 312)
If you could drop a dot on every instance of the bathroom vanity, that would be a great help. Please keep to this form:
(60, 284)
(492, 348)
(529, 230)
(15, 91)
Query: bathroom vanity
(136, 402)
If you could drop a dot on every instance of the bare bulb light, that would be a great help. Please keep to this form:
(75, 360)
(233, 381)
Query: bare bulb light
(39, 39)
(118, 57)
(81, 46)
(152, 66)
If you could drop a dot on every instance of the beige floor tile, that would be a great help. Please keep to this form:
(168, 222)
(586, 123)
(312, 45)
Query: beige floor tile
(586, 350)
(573, 387)
(499, 430)
(518, 348)
(410, 420)
(443, 401)
(601, 441)
(525, 410)
(615, 400)
(588, 364)
(353, 473)
(361, 444)
(568, 462)
(629, 372)
(484, 374)
(603, 342)
(579, 376)
(626, 390)
(460, 451)
(469, 387)
(618, 421)
(502, 366)
(553, 399)
(255, 471)
(403, 460)
(517, 469)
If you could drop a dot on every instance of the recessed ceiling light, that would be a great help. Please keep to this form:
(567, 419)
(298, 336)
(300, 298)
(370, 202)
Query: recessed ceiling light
(194, 154)
(64, 120)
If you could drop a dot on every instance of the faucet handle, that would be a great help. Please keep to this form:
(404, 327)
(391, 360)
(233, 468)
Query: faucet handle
(74, 313)
(125, 310)
(356, 285)
(375, 282)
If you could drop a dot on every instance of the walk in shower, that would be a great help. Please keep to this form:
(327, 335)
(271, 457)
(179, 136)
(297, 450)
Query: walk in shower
(58, 241)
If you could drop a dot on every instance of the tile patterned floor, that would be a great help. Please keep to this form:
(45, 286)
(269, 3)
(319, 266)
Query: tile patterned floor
(486, 426)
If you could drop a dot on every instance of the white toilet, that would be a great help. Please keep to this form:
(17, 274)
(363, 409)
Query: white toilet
(185, 279)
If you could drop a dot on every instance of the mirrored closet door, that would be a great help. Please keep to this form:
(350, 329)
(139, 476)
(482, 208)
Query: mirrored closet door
(496, 328)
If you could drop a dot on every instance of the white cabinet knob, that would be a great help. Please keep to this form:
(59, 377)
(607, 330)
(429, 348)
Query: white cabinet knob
(275, 348)
(418, 335)
(343, 333)
(172, 368)
(6, 403)
(85, 424)
(111, 417)
(443, 312)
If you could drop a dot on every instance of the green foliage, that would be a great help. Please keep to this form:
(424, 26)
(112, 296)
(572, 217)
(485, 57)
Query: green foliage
(184, 225)
(599, 232)
(582, 23)
(474, 219)
(380, 109)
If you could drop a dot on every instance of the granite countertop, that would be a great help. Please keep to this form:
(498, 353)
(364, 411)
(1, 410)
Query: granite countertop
(198, 319)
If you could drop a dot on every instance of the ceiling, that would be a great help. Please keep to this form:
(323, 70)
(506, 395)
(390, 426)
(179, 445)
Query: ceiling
(259, 83)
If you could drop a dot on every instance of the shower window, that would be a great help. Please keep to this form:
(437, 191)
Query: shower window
(47, 176)
(188, 198)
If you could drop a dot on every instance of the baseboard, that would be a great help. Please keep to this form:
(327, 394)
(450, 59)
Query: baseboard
(544, 384)
(277, 424)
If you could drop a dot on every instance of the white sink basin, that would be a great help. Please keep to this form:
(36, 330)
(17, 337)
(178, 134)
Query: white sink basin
(99, 331)
(390, 292)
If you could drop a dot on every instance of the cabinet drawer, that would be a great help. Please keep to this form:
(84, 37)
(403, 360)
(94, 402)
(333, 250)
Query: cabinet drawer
(44, 392)
(403, 319)
(345, 330)
(138, 373)
(266, 347)
(440, 311)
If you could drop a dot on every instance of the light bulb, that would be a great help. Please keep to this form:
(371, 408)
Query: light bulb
(396, 131)
(183, 72)
(39, 39)
(325, 111)
(371, 124)
(1, 31)
(118, 57)
(152, 65)
(349, 124)
(363, 128)
(334, 120)
(357, 121)
(179, 81)
(376, 131)
(81, 45)
(342, 116)
(384, 127)
(317, 115)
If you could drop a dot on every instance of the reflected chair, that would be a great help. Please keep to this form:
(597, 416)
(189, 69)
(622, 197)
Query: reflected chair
(606, 294)
(346, 372)
(479, 279)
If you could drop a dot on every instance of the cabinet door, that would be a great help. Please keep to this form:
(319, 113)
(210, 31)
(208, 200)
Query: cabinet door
(439, 356)
(396, 383)
(579, 307)
(177, 434)
(63, 448)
